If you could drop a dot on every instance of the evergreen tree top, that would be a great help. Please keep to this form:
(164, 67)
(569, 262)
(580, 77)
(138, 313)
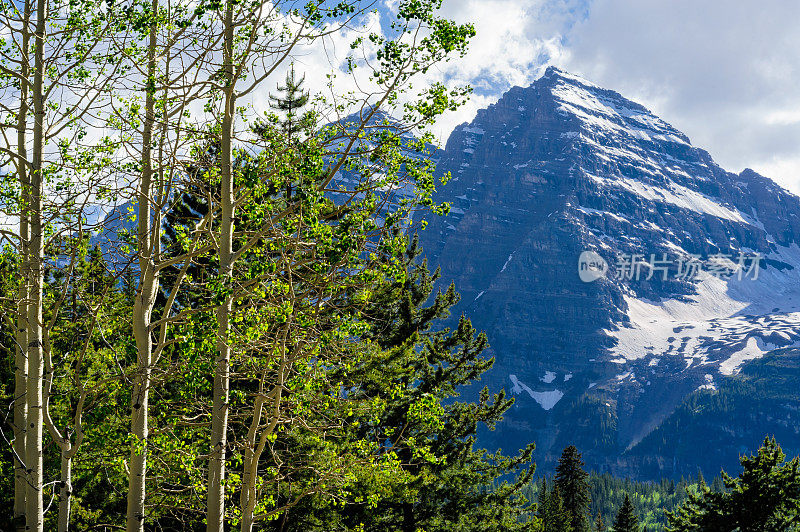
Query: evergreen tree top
(573, 483)
(292, 97)
(764, 497)
(599, 525)
(626, 520)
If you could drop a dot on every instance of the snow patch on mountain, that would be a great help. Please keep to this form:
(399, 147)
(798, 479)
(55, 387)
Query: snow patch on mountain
(508, 260)
(752, 350)
(546, 400)
(598, 110)
(676, 194)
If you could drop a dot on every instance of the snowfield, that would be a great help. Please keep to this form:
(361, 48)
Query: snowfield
(726, 323)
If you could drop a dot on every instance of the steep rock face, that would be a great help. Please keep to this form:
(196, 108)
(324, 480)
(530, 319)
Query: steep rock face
(563, 167)
(712, 428)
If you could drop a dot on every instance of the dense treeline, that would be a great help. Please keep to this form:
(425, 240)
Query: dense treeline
(649, 499)
(191, 330)
(716, 426)
(765, 496)
(440, 482)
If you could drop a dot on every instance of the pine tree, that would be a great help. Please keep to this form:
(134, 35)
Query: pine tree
(541, 503)
(573, 483)
(291, 99)
(449, 484)
(626, 520)
(552, 514)
(558, 517)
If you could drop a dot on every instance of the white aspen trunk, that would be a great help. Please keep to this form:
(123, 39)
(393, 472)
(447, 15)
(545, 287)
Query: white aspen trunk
(21, 354)
(65, 492)
(140, 398)
(256, 444)
(34, 504)
(143, 308)
(247, 498)
(62, 440)
(215, 503)
(249, 510)
(255, 448)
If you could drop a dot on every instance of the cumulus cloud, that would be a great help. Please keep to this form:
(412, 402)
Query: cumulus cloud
(515, 41)
(726, 73)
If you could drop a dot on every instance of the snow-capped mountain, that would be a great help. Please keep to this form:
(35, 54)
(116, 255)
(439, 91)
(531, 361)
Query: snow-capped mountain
(690, 274)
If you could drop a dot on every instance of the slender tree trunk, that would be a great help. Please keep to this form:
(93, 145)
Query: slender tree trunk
(20, 383)
(65, 492)
(34, 504)
(248, 490)
(249, 513)
(61, 439)
(143, 305)
(215, 516)
(21, 354)
(140, 398)
(255, 444)
(255, 447)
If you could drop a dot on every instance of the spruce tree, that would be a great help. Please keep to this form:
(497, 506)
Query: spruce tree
(541, 503)
(417, 372)
(290, 101)
(558, 517)
(626, 520)
(573, 483)
(552, 514)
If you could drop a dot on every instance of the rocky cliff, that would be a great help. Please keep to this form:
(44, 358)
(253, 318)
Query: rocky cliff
(694, 270)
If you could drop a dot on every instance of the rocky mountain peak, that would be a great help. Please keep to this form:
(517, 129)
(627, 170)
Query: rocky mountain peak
(565, 167)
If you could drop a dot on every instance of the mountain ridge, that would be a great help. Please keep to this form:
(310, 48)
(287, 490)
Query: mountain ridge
(564, 167)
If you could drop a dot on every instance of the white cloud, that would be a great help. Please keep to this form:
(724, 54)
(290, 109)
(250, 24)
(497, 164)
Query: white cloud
(725, 73)
(515, 40)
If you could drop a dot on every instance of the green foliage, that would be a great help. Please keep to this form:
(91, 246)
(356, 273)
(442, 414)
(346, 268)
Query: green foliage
(765, 497)
(290, 101)
(307, 265)
(411, 380)
(573, 484)
(87, 341)
(8, 286)
(652, 499)
(599, 525)
(553, 516)
(626, 520)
